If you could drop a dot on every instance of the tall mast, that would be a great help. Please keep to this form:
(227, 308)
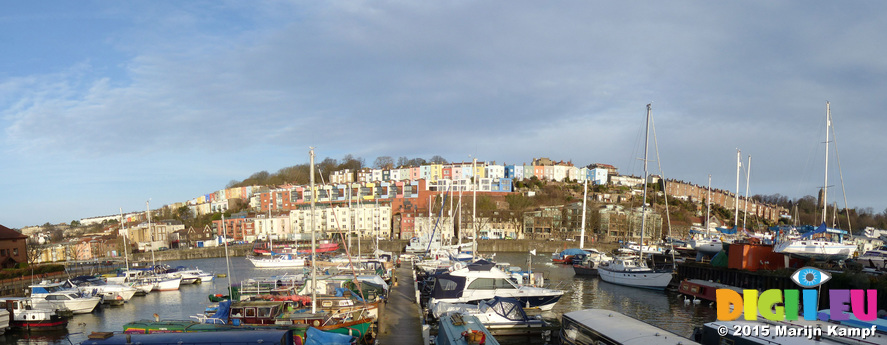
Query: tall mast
(227, 260)
(125, 245)
(828, 123)
(747, 177)
(474, 209)
(584, 199)
(644, 204)
(736, 201)
(708, 207)
(313, 240)
(148, 207)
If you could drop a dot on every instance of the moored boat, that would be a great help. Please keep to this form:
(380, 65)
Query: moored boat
(459, 328)
(703, 289)
(25, 317)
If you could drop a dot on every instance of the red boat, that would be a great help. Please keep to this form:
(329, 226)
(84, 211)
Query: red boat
(703, 289)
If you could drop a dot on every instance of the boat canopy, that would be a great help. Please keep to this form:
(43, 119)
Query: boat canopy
(572, 251)
(481, 265)
(508, 307)
(448, 286)
(727, 231)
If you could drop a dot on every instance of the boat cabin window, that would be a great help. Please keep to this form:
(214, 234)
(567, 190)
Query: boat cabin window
(446, 284)
(265, 312)
(490, 284)
(579, 334)
(237, 312)
(250, 312)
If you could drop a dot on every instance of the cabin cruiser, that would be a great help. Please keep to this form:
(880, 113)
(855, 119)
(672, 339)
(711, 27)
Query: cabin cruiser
(96, 286)
(500, 315)
(874, 258)
(590, 263)
(481, 280)
(192, 275)
(60, 296)
(23, 315)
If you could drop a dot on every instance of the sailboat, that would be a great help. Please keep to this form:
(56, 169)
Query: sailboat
(820, 248)
(634, 271)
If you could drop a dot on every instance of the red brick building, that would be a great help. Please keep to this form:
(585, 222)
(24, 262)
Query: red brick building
(13, 247)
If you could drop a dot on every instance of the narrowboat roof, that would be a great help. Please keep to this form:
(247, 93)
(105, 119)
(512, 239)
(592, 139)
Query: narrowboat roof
(625, 330)
(264, 337)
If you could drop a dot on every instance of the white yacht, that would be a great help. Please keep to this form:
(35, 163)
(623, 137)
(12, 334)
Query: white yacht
(277, 261)
(481, 280)
(822, 248)
(632, 272)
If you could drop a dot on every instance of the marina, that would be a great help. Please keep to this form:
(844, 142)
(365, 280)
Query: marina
(400, 317)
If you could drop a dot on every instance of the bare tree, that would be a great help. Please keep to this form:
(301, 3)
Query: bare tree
(383, 162)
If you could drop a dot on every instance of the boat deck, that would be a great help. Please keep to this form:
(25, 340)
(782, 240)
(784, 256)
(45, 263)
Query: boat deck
(400, 322)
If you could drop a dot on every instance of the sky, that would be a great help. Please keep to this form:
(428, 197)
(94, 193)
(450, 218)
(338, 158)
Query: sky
(106, 105)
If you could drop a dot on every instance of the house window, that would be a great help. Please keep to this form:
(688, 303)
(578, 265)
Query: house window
(2, 252)
(14, 251)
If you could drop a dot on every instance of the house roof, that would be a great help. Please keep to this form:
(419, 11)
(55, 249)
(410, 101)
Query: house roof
(9, 234)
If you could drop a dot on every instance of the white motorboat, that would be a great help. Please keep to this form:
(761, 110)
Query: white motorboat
(23, 315)
(73, 301)
(481, 280)
(60, 296)
(500, 315)
(96, 286)
(277, 261)
(192, 275)
(875, 258)
(165, 282)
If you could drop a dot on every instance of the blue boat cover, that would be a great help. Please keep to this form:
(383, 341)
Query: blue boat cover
(509, 307)
(314, 336)
(572, 251)
(480, 265)
(727, 231)
(221, 313)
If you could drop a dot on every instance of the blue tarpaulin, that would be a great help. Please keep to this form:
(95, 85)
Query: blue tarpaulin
(318, 337)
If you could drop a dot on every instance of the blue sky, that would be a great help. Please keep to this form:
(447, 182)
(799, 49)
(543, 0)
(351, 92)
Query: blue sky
(104, 105)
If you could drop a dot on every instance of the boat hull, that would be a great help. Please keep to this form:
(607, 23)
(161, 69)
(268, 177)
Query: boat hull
(640, 279)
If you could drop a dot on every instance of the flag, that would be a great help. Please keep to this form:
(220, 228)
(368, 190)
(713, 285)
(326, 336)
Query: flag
(533, 252)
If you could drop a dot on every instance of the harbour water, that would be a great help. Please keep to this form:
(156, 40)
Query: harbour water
(662, 309)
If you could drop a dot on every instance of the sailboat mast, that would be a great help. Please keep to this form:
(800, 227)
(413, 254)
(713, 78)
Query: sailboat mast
(736, 196)
(148, 207)
(227, 260)
(708, 207)
(474, 210)
(125, 245)
(313, 240)
(747, 177)
(828, 123)
(644, 204)
(584, 200)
